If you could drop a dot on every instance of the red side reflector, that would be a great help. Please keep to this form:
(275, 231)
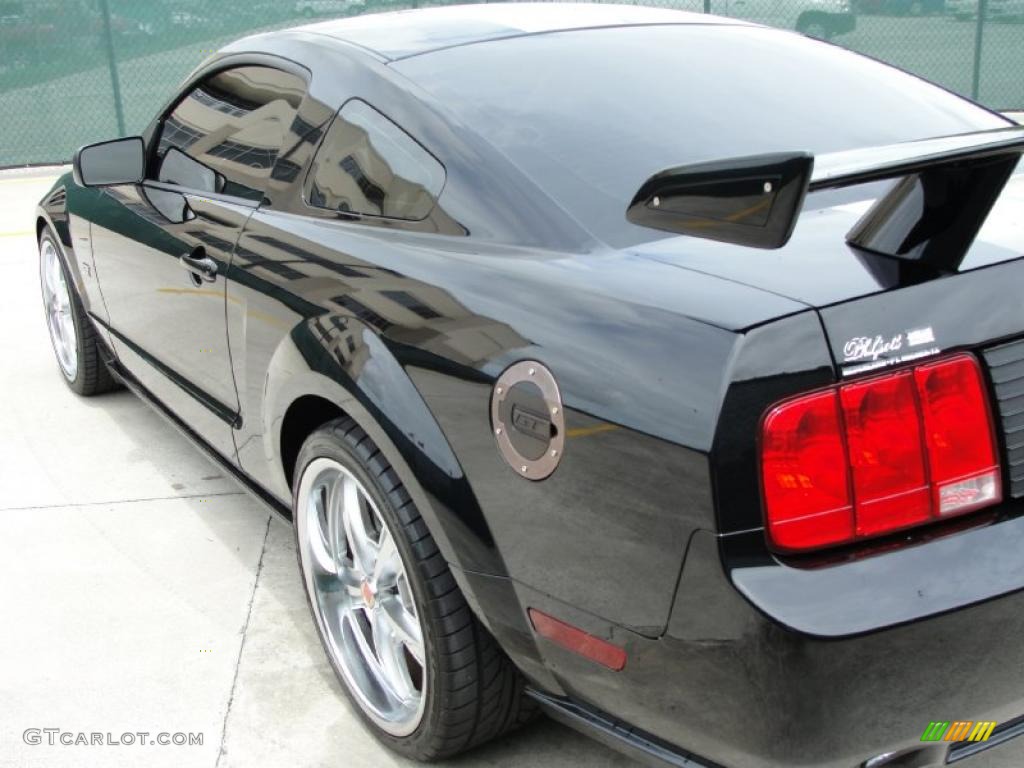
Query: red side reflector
(880, 455)
(576, 640)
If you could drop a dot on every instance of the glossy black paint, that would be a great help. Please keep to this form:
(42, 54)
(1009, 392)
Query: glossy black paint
(939, 211)
(162, 322)
(667, 353)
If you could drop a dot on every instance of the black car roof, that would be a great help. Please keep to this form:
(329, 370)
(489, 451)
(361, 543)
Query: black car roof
(401, 34)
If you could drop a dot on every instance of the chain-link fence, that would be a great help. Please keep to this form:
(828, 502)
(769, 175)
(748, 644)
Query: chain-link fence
(76, 71)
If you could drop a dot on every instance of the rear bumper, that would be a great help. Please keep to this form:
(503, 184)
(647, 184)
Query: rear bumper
(652, 751)
(726, 685)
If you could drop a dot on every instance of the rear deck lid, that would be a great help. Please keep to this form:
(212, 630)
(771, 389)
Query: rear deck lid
(816, 267)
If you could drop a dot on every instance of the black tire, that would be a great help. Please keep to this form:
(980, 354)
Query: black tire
(92, 376)
(475, 693)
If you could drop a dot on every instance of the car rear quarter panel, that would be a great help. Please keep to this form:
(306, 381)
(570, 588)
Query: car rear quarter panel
(639, 350)
(640, 386)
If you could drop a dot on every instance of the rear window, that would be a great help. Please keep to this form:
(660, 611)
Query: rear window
(590, 115)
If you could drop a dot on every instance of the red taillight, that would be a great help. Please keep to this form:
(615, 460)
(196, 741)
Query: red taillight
(883, 433)
(958, 431)
(876, 456)
(804, 464)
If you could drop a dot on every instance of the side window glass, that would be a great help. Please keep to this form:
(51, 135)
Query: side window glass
(224, 136)
(368, 165)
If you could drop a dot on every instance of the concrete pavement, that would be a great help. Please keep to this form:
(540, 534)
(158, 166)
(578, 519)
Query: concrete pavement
(142, 591)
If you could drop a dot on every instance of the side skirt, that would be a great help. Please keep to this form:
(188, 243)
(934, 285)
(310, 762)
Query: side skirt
(616, 734)
(275, 506)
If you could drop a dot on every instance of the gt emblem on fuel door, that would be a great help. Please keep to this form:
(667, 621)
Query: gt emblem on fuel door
(527, 419)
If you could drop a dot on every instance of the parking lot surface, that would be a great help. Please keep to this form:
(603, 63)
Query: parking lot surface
(141, 590)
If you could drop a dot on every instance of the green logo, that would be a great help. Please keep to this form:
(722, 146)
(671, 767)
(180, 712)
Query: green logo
(958, 730)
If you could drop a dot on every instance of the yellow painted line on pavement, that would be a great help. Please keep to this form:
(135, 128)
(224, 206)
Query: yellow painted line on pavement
(21, 233)
(30, 180)
(251, 313)
(586, 431)
(193, 292)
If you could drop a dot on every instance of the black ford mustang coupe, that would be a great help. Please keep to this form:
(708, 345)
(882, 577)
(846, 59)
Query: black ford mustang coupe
(661, 372)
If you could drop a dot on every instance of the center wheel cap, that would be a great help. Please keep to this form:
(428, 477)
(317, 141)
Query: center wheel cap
(368, 596)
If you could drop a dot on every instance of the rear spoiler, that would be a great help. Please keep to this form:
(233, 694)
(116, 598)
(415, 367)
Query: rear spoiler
(946, 188)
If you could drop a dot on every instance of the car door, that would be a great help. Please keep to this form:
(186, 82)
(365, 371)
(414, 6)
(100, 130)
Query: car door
(161, 248)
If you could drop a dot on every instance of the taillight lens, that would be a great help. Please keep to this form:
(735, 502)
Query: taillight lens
(883, 432)
(876, 456)
(805, 477)
(958, 431)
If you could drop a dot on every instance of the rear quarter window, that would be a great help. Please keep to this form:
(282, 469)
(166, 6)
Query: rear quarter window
(368, 165)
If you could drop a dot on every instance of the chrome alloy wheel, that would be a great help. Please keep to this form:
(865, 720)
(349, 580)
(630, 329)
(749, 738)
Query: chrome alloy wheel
(361, 596)
(57, 302)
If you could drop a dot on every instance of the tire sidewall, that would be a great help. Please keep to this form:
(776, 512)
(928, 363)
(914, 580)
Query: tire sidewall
(322, 444)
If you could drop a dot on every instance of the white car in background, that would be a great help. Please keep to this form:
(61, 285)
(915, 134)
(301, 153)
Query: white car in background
(998, 10)
(311, 8)
(823, 19)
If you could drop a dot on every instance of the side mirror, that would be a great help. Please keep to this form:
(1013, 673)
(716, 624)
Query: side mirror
(121, 161)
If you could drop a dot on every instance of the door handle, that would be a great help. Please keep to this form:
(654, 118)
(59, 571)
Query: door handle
(199, 264)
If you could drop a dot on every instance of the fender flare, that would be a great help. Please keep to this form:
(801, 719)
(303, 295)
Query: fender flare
(55, 216)
(385, 403)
